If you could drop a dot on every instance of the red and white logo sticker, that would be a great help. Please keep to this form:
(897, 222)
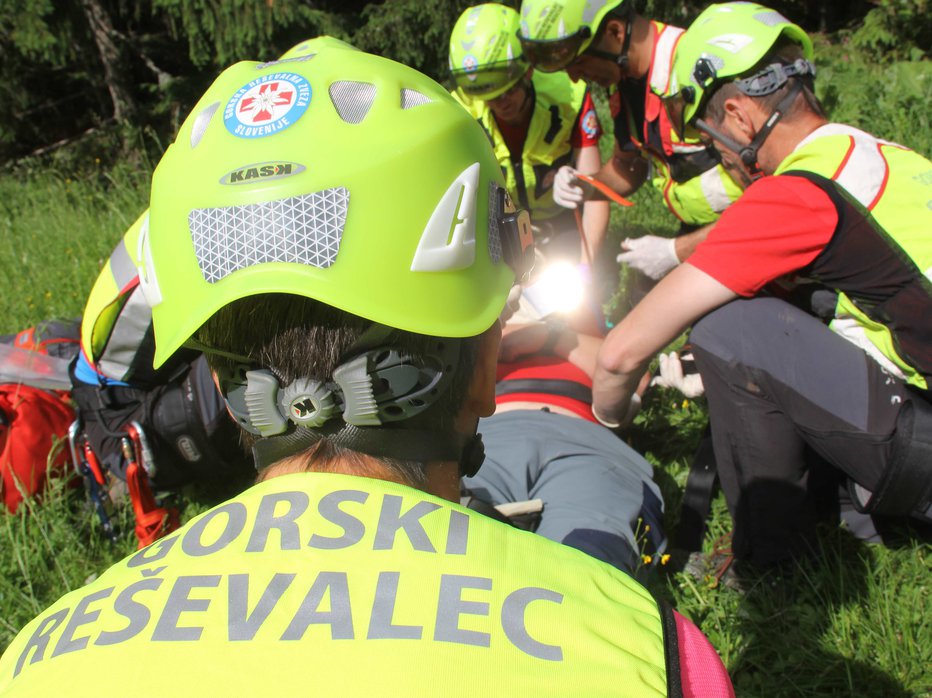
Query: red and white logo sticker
(267, 105)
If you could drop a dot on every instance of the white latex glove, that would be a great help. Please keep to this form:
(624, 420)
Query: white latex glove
(672, 376)
(651, 254)
(566, 192)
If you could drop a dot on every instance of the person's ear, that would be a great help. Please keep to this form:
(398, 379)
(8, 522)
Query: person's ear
(739, 113)
(614, 33)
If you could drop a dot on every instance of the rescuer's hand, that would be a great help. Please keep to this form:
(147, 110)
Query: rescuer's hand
(651, 255)
(566, 190)
(673, 375)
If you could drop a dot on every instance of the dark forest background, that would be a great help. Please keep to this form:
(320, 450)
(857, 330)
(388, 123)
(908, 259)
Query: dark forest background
(125, 72)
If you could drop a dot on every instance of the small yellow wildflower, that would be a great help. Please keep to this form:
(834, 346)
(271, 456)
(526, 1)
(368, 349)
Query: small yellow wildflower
(685, 404)
(647, 559)
(664, 559)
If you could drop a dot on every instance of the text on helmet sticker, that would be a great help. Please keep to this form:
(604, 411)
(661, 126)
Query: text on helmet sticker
(267, 105)
(263, 171)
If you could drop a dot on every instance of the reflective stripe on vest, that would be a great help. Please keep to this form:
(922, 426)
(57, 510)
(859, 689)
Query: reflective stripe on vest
(115, 318)
(353, 587)
(125, 337)
(661, 66)
(547, 147)
(893, 185)
(863, 170)
(701, 199)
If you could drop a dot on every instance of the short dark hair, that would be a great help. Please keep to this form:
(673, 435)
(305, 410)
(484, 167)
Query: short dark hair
(297, 337)
(784, 51)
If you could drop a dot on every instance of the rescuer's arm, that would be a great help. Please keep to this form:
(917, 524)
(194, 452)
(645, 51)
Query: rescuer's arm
(681, 298)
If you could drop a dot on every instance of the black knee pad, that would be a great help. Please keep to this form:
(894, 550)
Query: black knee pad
(906, 485)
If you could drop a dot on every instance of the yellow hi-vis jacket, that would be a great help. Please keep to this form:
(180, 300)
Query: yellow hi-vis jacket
(547, 146)
(880, 256)
(695, 200)
(327, 584)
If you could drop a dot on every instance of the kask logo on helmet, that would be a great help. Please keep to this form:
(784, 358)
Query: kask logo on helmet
(261, 171)
(267, 105)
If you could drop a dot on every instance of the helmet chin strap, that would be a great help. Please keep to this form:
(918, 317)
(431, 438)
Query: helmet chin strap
(748, 153)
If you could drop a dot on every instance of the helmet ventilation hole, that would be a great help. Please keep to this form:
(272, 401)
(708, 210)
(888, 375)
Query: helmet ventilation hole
(201, 122)
(413, 98)
(352, 100)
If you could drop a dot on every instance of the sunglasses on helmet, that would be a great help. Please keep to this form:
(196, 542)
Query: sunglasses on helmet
(552, 56)
(486, 79)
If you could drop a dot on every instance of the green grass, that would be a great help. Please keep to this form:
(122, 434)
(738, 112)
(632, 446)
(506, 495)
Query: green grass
(56, 232)
(853, 619)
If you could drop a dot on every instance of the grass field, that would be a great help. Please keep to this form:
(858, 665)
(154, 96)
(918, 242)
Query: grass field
(852, 620)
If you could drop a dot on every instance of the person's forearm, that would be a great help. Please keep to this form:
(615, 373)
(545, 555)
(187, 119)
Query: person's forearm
(623, 173)
(612, 388)
(595, 224)
(581, 350)
(687, 244)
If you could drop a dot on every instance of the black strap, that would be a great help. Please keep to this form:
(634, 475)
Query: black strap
(697, 499)
(547, 386)
(671, 650)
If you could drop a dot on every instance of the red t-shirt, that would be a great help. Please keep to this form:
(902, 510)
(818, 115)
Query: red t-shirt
(778, 226)
(545, 368)
(587, 130)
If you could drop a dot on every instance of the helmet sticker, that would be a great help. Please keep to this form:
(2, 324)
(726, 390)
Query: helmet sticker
(733, 43)
(267, 105)
(495, 216)
(449, 238)
(470, 63)
(261, 171)
(771, 18)
(304, 229)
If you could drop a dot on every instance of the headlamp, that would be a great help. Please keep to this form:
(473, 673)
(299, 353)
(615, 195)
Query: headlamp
(515, 234)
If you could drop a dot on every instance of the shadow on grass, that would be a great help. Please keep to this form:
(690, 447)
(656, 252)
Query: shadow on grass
(792, 623)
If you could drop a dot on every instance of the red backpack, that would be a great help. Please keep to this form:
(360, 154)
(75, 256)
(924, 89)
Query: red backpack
(34, 422)
(33, 433)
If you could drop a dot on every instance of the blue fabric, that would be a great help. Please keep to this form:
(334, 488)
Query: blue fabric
(84, 372)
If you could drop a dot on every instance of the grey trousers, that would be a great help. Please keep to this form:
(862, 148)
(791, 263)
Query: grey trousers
(795, 409)
(598, 493)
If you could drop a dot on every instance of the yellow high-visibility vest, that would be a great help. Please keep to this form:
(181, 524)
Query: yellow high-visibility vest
(327, 584)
